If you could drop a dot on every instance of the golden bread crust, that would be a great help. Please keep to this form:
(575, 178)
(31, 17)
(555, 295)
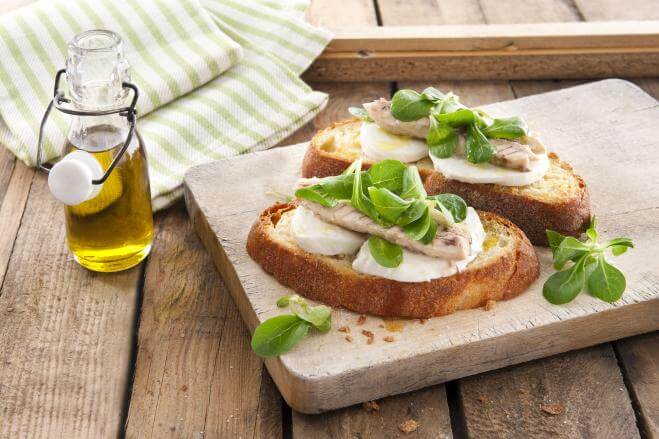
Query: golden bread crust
(568, 214)
(323, 279)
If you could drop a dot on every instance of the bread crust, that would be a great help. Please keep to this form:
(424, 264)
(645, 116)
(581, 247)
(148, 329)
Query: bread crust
(319, 279)
(568, 217)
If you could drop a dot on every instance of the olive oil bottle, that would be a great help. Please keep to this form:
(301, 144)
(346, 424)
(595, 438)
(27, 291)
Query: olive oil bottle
(113, 230)
(103, 177)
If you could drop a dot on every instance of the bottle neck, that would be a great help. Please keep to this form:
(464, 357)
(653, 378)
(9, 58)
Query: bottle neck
(96, 70)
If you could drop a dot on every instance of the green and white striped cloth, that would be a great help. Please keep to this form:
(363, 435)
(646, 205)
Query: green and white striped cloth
(217, 77)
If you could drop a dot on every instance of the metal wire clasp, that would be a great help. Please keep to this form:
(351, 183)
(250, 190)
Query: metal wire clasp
(58, 99)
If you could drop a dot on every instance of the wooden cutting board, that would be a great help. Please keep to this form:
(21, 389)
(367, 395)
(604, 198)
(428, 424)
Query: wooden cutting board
(607, 130)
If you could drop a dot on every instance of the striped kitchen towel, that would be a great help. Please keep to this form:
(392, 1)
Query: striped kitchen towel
(218, 77)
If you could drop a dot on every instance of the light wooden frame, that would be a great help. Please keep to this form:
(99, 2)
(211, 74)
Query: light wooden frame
(512, 51)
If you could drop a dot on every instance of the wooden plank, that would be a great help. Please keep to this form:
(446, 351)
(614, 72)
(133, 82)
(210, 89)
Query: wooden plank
(65, 334)
(425, 12)
(472, 341)
(342, 96)
(615, 10)
(530, 11)
(352, 14)
(508, 37)
(498, 51)
(195, 375)
(639, 357)
(586, 384)
(14, 199)
(7, 162)
(584, 389)
(426, 407)
(351, 422)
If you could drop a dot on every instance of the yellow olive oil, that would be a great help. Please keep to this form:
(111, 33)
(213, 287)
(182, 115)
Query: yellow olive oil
(112, 231)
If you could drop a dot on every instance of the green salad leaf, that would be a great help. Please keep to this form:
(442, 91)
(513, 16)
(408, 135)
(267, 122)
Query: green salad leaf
(317, 194)
(360, 113)
(388, 174)
(408, 105)
(389, 205)
(390, 193)
(478, 149)
(442, 139)
(412, 185)
(449, 119)
(563, 286)
(507, 128)
(432, 94)
(419, 228)
(457, 118)
(319, 316)
(415, 211)
(454, 204)
(384, 252)
(590, 268)
(278, 335)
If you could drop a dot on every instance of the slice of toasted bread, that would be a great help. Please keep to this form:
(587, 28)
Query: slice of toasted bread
(504, 269)
(558, 202)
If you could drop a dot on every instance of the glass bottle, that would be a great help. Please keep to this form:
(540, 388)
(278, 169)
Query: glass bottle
(111, 227)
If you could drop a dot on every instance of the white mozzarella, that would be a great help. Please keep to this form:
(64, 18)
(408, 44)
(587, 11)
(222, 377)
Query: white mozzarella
(377, 144)
(421, 268)
(458, 168)
(319, 237)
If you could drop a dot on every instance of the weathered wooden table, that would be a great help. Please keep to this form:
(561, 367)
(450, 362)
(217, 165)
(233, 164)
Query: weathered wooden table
(161, 351)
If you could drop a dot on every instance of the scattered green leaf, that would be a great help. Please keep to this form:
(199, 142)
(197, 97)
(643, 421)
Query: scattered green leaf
(590, 268)
(278, 335)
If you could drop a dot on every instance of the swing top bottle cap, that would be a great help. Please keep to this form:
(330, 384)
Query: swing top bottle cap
(70, 180)
(96, 68)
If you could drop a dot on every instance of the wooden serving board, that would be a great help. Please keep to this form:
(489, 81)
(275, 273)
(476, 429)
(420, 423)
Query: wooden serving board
(607, 130)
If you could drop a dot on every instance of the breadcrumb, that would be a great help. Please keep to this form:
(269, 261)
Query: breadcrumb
(344, 329)
(389, 339)
(369, 335)
(408, 426)
(489, 306)
(371, 406)
(483, 399)
(361, 319)
(552, 409)
(423, 321)
(349, 338)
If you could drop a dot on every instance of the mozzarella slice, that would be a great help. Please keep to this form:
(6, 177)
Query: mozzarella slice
(319, 237)
(377, 144)
(421, 268)
(458, 168)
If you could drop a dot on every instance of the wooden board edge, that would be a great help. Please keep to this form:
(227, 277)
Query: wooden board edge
(301, 392)
(492, 65)
(508, 37)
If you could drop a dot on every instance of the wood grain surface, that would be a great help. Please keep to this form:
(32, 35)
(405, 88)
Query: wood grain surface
(309, 383)
(65, 374)
(195, 373)
(65, 333)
